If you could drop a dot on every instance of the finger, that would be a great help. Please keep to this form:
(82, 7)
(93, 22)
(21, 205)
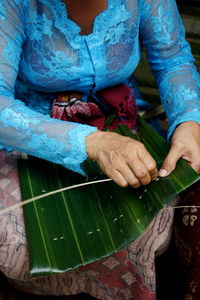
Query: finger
(129, 176)
(170, 161)
(192, 156)
(195, 166)
(149, 162)
(194, 162)
(117, 177)
(153, 173)
(140, 171)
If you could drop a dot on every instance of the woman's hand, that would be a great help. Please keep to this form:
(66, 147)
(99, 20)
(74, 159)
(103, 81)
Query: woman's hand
(121, 158)
(186, 144)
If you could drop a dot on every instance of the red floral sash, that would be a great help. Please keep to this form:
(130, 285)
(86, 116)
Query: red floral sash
(118, 101)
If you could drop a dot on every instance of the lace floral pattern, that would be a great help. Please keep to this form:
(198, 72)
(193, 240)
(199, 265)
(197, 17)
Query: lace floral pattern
(43, 53)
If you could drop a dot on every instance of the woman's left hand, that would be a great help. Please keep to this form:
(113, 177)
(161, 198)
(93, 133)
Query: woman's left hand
(185, 144)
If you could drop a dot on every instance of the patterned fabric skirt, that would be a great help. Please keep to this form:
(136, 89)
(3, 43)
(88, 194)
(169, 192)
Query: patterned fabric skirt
(187, 238)
(128, 274)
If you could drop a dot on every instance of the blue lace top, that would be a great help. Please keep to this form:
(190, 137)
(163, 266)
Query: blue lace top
(43, 53)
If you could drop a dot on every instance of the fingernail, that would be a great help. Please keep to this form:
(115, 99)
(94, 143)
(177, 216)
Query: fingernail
(163, 173)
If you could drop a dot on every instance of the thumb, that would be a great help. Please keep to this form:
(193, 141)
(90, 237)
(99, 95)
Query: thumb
(170, 161)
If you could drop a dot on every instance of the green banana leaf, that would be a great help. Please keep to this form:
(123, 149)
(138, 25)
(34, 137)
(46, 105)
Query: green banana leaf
(82, 225)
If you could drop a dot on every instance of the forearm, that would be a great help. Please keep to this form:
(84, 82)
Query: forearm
(179, 90)
(24, 130)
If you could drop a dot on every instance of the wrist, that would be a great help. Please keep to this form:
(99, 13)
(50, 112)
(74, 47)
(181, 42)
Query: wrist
(92, 141)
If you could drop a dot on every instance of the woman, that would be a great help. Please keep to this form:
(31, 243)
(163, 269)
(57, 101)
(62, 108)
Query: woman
(50, 46)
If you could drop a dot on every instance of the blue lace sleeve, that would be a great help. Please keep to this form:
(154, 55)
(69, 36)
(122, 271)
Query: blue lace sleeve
(171, 61)
(20, 127)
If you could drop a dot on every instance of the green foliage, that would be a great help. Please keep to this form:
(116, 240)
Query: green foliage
(79, 226)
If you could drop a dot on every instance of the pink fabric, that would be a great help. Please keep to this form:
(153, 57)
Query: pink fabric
(120, 100)
(128, 274)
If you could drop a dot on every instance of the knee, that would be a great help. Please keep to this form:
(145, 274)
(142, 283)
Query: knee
(13, 249)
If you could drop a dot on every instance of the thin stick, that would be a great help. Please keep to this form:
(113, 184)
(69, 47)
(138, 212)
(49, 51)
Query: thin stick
(6, 210)
(22, 203)
(187, 206)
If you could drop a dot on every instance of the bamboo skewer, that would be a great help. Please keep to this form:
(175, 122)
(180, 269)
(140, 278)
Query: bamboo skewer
(19, 204)
(22, 203)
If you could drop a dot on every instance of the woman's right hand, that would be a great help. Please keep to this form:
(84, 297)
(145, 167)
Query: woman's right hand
(121, 158)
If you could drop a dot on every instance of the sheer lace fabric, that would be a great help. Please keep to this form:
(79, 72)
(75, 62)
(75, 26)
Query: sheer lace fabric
(43, 53)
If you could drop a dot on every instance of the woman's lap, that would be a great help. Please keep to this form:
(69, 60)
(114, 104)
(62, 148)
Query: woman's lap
(13, 244)
(128, 273)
